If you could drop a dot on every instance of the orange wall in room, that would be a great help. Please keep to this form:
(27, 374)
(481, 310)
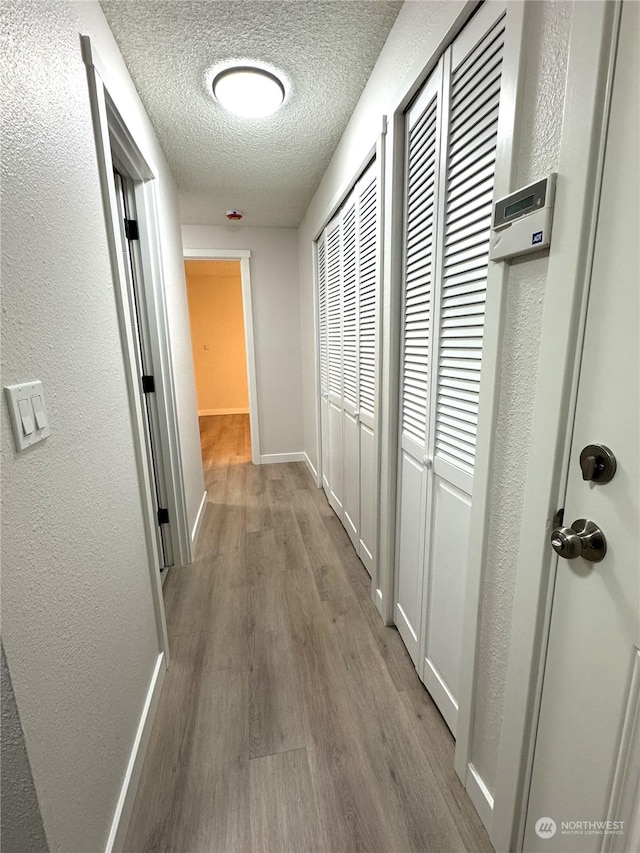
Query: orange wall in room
(214, 291)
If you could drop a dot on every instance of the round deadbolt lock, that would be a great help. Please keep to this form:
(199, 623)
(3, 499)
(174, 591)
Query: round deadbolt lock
(598, 463)
(583, 539)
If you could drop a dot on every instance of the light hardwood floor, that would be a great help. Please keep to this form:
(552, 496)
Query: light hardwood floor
(291, 719)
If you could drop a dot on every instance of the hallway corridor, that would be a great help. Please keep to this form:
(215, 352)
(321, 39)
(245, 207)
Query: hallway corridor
(291, 719)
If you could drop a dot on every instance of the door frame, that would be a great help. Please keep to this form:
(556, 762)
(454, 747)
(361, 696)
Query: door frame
(244, 256)
(588, 92)
(115, 142)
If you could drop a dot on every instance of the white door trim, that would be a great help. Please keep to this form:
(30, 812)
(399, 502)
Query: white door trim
(589, 79)
(105, 118)
(244, 256)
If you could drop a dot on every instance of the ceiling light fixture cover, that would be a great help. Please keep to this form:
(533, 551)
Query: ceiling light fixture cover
(248, 92)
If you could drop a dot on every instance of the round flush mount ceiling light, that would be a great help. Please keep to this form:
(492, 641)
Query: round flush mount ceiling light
(248, 92)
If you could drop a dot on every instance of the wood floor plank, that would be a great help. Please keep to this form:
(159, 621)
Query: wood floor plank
(321, 550)
(257, 500)
(275, 711)
(414, 806)
(194, 791)
(215, 799)
(439, 751)
(351, 813)
(283, 813)
(388, 639)
(291, 718)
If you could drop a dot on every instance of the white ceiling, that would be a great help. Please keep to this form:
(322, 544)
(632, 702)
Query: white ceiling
(268, 168)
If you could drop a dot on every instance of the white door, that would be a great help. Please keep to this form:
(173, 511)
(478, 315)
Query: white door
(423, 150)
(350, 382)
(471, 115)
(587, 754)
(452, 142)
(125, 198)
(334, 357)
(368, 192)
(323, 359)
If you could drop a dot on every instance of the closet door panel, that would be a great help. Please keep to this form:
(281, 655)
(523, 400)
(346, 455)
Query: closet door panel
(351, 520)
(350, 372)
(368, 204)
(422, 176)
(445, 595)
(334, 371)
(321, 266)
(470, 112)
(368, 487)
(409, 575)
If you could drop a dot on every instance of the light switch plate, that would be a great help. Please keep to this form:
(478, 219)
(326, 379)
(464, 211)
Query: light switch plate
(28, 412)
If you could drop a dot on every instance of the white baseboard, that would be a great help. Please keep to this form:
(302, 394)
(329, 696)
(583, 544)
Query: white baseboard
(311, 467)
(242, 411)
(271, 458)
(198, 522)
(124, 807)
(480, 796)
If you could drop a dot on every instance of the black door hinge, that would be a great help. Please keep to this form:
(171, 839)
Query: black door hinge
(148, 384)
(131, 229)
(163, 516)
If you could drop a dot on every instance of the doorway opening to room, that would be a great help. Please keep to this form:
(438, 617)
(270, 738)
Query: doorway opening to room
(219, 297)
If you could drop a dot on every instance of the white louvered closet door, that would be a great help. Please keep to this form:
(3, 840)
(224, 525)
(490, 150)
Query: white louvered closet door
(351, 438)
(323, 354)
(333, 239)
(451, 154)
(369, 240)
(470, 113)
(421, 190)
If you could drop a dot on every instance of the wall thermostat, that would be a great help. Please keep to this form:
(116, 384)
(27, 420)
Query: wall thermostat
(522, 220)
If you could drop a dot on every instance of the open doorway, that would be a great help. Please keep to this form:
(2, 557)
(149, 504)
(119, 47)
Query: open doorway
(219, 299)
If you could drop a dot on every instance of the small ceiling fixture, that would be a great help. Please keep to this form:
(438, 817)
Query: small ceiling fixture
(233, 215)
(247, 91)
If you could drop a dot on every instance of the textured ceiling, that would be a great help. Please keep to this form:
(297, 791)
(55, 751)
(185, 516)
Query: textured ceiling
(268, 168)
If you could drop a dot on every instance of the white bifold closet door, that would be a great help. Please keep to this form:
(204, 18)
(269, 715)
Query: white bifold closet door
(351, 438)
(323, 355)
(348, 272)
(333, 242)
(368, 201)
(451, 143)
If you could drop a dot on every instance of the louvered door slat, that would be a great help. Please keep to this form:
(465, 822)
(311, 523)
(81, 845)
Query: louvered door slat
(475, 96)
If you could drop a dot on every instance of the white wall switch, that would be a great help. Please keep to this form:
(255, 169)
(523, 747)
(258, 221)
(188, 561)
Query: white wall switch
(28, 412)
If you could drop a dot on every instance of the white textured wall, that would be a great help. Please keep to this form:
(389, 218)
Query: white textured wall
(22, 828)
(276, 323)
(410, 44)
(77, 615)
